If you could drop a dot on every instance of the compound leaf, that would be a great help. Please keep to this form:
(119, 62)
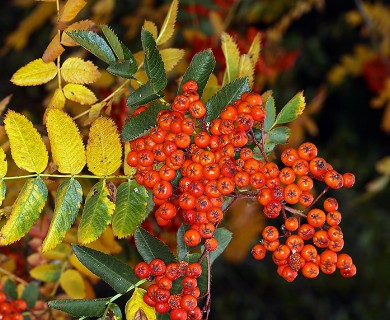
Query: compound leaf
(136, 308)
(79, 93)
(35, 73)
(81, 307)
(292, 109)
(76, 70)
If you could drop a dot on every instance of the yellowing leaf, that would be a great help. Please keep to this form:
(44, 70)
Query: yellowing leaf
(3, 188)
(76, 70)
(136, 308)
(104, 149)
(66, 144)
(211, 88)
(58, 99)
(108, 241)
(217, 23)
(246, 69)
(75, 262)
(27, 147)
(72, 283)
(94, 111)
(168, 26)
(53, 50)
(60, 252)
(151, 27)
(255, 48)
(71, 9)
(35, 73)
(46, 272)
(79, 93)
(232, 57)
(25, 211)
(80, 25)
(171, 57)
(3, 163)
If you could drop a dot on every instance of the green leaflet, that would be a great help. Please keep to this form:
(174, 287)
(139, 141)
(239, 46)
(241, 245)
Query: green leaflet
(3, 189)
(137, 125)
(9, 288)
(94, 43)
(30, 295)
(67, 204)
(270, 113)
(199, 70)
(153, 63)
(225, 96)
(81, 307)
(25, 211)
(123, 68)
(292, 109)
(144, 94)
(113, 40)
(279, 135)
(97, 213)
(224, 237)
(130, 211)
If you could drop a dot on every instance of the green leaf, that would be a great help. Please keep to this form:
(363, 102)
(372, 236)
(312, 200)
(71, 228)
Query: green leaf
(114, 312)
(123, 68)
(81, 307)
(144, 94)
(154, 65)
(113, 40)
(98, 209)
(151, 248)
(94, 43)
(292, 109)
(130, 211)
(30, 295)
(114, 272)
(270, 114)
(137, 125)
(128, 55)
(25, 211)
(3, 189)
(47, 272)
(199, 70)
(67, 204)
(225, 96)
(181, 249)
(9, 288)
(223, 237)
(269, 147)
(279, 135)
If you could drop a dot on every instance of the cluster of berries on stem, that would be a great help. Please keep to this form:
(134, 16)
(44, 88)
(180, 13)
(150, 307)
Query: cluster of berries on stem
(11, 309)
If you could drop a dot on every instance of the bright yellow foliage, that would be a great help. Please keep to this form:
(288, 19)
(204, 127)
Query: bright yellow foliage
(58, 99)
(72, 283)
(53, 50)
(232, 56)
(171, 57)
(66, 144)
(46, 272)
(3, 163)
(79, 93)
(104, 149)
(246, 69)
(71, 9)
(151, 27)
(35, 73)
(27, 147)
(76, 70)
(255, 48)
(136, 307)
(168, 26)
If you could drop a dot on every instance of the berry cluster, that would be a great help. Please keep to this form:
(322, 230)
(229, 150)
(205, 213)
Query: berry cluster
(11, 310)
(182, 305)
(291, 185)
(205, 157)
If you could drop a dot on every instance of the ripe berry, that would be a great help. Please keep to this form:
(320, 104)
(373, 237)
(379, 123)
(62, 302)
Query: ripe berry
(142, 270)
(258, 251)
(157, 267)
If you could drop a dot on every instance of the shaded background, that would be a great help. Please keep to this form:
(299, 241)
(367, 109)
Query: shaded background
(349, 133)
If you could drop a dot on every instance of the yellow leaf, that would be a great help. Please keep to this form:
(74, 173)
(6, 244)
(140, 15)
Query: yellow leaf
(217, 23)
(60, 252)
(79, 93)
(46, 272)
(76, 70)
(71, 10)
(254, 49)
(211, 88)
(72, 283)
(151, 27)
(108, 240)
(104, 149)
(168, 26)
(3, 163)
(27, 147)
(246, 69)
(128, 170)
(232, 57)
(94, 111)
(53, 50)
(137, 307)
(171, 57)
(66, 144)
(74, 261)
(80, 25)
(58, 99)
(35, 73)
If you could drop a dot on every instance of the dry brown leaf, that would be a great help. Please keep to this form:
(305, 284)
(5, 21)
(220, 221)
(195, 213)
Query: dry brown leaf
(53, 50)
(80, 25)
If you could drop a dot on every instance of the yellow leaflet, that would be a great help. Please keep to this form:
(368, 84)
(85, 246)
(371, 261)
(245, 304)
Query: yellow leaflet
(137, 307)
(255, 48)
(94, 111)
(60, 252)
(35, 73)
(58, 100)
(232, 57)
(168, 26)
(2, 192)
(74, 261)
(108, 241)
(3, 163)
(211, 88)
(76, 70)
(151, 27)
(46, 272)
(246, 69)
(71, 9)
(79, 93)
(53, 50)
(217, 23)
(72, 283)
(66, 144)
(171, 57)
(27, 147)
(80, 25)
(104, 148)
